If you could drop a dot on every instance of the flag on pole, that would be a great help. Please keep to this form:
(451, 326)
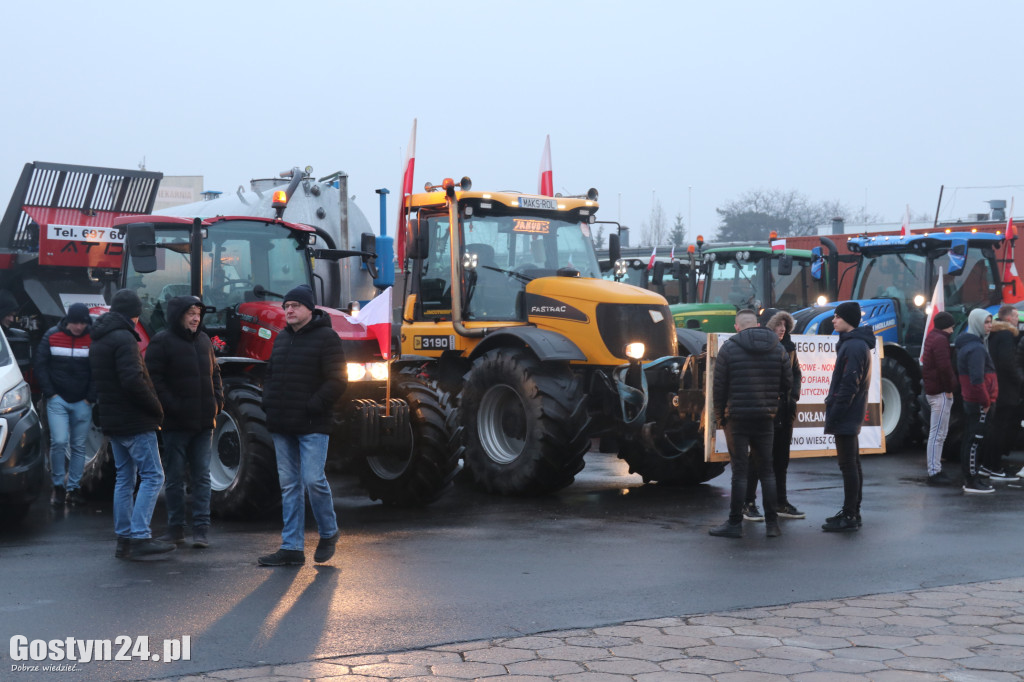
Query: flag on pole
(650, 263)
(938, 305)
(672, 256)
(1013, 288)
(375, 318)
(905, 227)
(407, 173)
(779, 245)
(546, 183)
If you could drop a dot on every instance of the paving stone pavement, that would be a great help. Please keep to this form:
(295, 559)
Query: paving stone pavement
(961, 633)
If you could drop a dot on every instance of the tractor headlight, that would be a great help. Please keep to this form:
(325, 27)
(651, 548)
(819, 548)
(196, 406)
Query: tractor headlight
(822, 300)
(18, 398)
(356, 371)
(621, 267)
(812, 328)
(367, 371)
(635, 350)
(379, 371)
(919, 300)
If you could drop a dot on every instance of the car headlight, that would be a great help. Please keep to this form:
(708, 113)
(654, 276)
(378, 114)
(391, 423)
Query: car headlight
(18, 398)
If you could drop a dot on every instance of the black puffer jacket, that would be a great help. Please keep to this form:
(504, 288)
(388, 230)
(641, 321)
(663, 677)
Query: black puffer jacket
(125, 396)
(1002, 346)
(62, 364)
(305, 377)
(752, 374)
(185, 372)
(847, 399)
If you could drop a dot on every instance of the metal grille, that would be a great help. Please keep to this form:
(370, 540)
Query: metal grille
(623, 323)
(82, 188)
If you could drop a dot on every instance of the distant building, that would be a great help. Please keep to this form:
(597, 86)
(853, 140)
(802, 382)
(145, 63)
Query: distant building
(176, 190)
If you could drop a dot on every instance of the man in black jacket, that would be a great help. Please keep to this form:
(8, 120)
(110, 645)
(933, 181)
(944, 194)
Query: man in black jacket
(130, 415)
(62, 370)
(1002, 346)
(752, 374)
(305, 378)
(845, 406)
(185, 373)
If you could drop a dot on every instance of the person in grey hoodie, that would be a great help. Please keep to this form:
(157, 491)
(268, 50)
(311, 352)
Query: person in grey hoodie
(979, 387)
(752, 375)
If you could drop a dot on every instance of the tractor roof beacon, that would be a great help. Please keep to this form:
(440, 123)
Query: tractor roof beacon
(505, 306)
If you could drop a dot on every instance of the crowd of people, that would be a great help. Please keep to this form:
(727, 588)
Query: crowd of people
(94, 371)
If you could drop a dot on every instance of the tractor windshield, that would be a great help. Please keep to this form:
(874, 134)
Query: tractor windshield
(237, 256)
(735, 282)
(903, 276)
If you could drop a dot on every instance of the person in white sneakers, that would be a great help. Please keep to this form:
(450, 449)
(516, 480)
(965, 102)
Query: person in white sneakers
(980, 389)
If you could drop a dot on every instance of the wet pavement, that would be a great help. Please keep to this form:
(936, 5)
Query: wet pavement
(961, 633)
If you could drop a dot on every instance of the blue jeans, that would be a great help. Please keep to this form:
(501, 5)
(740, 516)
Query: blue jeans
(69, 426)
(300, 469)
(139, 454)
(191, 450)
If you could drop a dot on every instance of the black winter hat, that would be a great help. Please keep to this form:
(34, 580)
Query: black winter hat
(301, 294)
(126, 302)
(850, 312)
(944, 320)
(78, 312)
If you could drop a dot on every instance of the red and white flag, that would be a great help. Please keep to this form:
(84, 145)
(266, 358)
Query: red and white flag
(672, 256)
(407, 172)
(938, 305)
(375, 318)
(546, 183)
(779, 245)
(1013, 288)
(650, 263)
(905, 227)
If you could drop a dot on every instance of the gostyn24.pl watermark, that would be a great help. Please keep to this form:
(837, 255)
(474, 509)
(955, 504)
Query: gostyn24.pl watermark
(66, 654)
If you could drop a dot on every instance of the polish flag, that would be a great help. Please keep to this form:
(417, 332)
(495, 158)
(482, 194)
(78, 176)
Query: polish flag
(410, 163)
(1013, 288)
(672, 256)
(938, 305)
(779, 245)
(546, 183)
(905, 227)
(375, 318)
(650, 263)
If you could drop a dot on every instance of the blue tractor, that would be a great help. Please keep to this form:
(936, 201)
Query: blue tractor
(895, 279)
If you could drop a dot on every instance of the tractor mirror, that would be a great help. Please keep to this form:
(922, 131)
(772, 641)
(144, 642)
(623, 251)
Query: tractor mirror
(368, 245)
(614, 250)
(140, 239)
(785, 265)
(658, 275)
(419, 247)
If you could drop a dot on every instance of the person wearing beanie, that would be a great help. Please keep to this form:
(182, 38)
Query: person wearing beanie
(62, 370)
(185, 373)
(1002, 347)
(845, 406)
(129, 413)
(979, 387)
(781, 324)
(751, 372)
(940, 383)
(304, 379)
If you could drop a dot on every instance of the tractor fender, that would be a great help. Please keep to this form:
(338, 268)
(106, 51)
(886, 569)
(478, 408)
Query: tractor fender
(231, 366)
(544, 344)
(691, 341)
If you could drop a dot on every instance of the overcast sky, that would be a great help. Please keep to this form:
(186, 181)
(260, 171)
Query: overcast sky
(875, 104)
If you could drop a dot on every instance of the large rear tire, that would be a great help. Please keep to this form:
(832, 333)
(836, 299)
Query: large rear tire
(524, 423)
(898, 399)
(677, 458)
(243, 467)
(420, 470)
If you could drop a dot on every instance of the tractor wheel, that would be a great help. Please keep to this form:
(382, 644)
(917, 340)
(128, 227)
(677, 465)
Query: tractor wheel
(675, 459)
(523, 423)
(419, 472)
(243, 467)
(898, 399)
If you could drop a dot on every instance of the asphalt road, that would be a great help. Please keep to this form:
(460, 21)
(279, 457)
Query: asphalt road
(605, 550)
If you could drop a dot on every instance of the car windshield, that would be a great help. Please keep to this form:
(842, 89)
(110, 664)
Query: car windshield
(238, 255)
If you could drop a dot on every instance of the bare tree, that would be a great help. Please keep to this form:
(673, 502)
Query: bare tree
(789, 213)
(655, 229)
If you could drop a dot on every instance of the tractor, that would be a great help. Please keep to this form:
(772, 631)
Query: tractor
(505, 307)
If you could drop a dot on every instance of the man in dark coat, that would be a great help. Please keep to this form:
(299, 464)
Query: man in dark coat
(305, 378)
(938, 377)
(845, 407)
(185, 373)
(130, 415)
(1002, 346)
(62, 370)
(752, 373)
(979, 387)
(780, 322)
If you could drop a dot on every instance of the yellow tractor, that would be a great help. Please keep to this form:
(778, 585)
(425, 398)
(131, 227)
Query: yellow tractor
(505, 307)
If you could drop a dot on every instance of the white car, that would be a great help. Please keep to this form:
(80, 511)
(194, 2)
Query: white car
(22, 463)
